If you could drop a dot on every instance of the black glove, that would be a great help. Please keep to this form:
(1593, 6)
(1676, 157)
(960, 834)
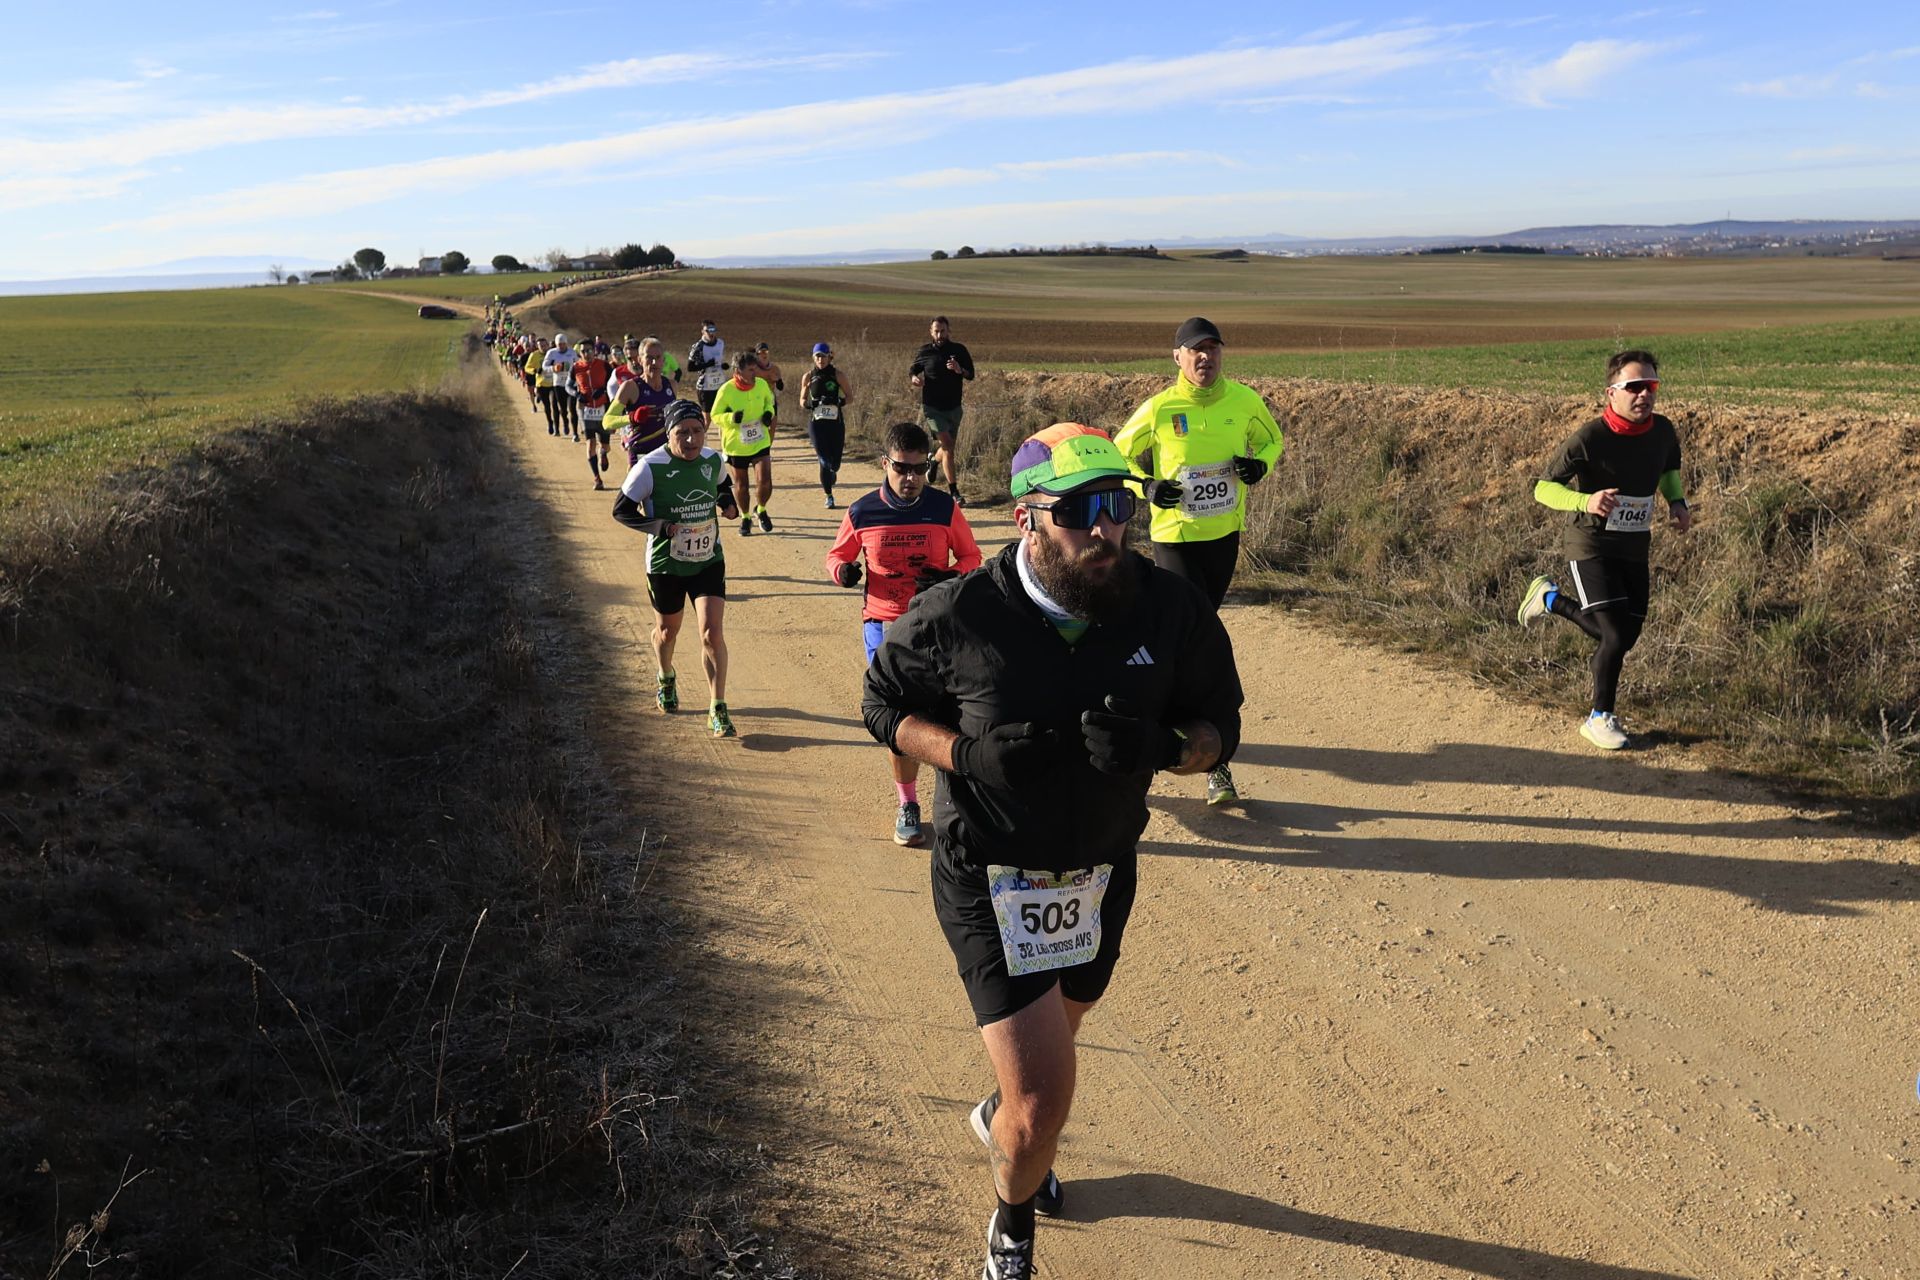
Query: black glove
(1007, 751)
(1250, 470)
(1119, 741)
(847, 574)
(779, 384)
(767, 418)
(1164, 493)
(931, 576)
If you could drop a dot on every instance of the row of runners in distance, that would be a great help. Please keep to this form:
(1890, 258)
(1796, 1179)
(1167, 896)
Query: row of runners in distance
(585, 394)
(1048, 685)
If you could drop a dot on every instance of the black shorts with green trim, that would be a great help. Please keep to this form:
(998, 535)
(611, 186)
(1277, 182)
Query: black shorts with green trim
(670, 592)
(965, 911)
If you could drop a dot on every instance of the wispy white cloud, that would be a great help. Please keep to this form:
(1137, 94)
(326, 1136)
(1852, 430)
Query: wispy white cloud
(1794, 86)
(1824, 85)
(1577, 73)
(29, 193)
(1125, 87)
(236, 126)
(934, 179)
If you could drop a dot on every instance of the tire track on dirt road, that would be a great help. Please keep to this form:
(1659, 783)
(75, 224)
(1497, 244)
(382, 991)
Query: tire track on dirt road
(1450, 995)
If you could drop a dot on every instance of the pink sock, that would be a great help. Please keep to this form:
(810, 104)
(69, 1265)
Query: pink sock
(909, 791)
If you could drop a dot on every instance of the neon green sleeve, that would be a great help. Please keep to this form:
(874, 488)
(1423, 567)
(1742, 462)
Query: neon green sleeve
(1263, 435)
(1134, 439)
(1670, 487)
(1551, 493)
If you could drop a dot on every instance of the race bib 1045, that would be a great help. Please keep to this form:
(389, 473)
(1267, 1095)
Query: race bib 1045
(1208, 490)
(1631, 515)
(1048, 919)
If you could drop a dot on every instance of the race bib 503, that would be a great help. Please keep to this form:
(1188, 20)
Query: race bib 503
(1048, 919)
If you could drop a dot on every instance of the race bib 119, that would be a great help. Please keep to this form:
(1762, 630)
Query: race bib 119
(1048, 919)
(693, 543)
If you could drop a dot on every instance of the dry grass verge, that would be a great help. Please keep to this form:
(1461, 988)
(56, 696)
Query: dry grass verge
(321, 945)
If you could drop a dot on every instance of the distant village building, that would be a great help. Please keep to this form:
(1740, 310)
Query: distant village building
(319, 277)
(430, 266)
(589, 262)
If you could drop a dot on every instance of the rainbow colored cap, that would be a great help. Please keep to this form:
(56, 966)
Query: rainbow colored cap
(1062, 458)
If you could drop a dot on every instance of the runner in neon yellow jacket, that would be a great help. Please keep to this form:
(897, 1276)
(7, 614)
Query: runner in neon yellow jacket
(1194, 450)
(1200, 427)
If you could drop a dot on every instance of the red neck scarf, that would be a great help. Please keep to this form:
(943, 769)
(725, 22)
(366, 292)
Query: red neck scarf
(744, 381)
(1624, 427)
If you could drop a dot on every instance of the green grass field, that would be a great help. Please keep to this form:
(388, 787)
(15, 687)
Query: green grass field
(1868, 366)
(98, 382)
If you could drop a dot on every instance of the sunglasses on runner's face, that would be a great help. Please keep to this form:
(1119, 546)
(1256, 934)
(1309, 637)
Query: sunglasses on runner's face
(1636, 386)
(1080, 510)
(908, 468)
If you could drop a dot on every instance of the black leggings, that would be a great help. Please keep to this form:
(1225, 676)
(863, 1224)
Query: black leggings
(829, 446)
(1616, 629)
(1208, 565)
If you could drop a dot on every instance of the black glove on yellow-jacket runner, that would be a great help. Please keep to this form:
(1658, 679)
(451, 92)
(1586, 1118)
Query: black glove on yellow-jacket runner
(1164, 493)
(1250, 470)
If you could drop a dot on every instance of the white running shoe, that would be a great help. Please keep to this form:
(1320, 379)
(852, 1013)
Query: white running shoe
(1007, 1258)
(1603, 730)
(1534, 603)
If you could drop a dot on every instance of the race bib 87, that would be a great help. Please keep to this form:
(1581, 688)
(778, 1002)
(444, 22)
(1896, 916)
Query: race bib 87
(1048, 919)
(826, 412)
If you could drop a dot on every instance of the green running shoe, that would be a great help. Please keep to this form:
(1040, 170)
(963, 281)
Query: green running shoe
(719, 721)
(666, 692)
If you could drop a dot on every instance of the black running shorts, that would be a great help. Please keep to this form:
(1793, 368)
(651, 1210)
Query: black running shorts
(1608, 582)
(966, 916)
(670, 592)
(745, 460)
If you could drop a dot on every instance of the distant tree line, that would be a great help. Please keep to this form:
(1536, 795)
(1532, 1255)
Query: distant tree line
(371, 264)
(1483, 248)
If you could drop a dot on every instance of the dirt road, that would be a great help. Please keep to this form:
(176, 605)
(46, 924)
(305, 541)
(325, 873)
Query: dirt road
(1450, 995)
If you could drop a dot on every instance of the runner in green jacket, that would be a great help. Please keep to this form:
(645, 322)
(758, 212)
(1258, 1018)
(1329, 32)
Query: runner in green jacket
(1195, 450)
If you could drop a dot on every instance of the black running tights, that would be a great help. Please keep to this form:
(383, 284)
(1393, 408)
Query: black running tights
(829, 446)
(1615, 630)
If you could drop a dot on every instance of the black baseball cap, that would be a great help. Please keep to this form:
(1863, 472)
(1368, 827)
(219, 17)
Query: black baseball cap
(1196, 331)
(681, 410)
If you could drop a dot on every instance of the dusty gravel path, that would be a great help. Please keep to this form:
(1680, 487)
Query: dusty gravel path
(1450, 995)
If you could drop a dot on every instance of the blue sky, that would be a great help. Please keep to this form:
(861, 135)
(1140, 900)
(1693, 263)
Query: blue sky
(140, 134)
